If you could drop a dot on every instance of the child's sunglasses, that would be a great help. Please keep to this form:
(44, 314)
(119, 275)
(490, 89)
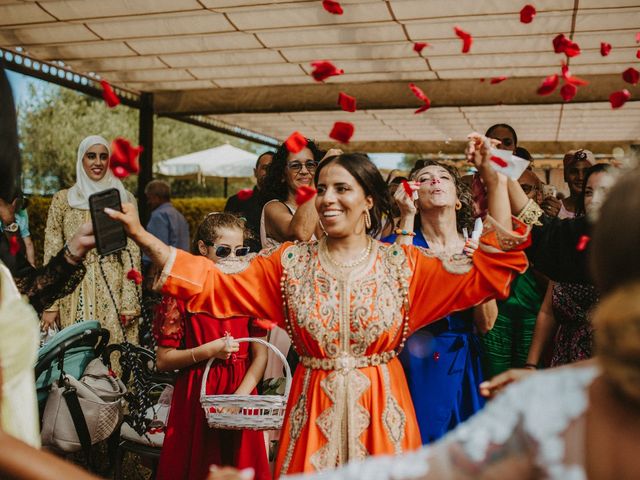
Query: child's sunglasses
(223, 251)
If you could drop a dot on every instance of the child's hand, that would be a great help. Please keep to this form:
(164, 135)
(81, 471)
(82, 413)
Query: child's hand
(222, 348)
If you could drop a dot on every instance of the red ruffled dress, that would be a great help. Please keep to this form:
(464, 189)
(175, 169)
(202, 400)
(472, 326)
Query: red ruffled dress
(190, 446)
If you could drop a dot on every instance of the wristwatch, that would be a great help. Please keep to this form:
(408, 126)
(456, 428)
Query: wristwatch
(11, 227)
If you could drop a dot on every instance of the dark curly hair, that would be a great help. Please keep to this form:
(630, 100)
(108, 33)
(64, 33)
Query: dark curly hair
(208, 230)
(464, 216)
(369, 178)
(275, 184)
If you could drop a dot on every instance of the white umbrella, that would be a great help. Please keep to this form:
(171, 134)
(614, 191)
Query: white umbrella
(225, 161)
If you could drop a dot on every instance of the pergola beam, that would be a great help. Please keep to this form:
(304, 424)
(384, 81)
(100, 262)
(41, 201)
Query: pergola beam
(373, 95)
(451, 148)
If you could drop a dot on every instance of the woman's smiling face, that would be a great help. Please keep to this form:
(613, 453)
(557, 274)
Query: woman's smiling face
(95, 162)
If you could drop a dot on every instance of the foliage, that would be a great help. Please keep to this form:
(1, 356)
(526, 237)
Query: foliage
(194, 210)
(54, 120)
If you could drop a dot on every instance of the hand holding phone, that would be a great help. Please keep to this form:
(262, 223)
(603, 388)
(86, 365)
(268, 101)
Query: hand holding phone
(110, 235)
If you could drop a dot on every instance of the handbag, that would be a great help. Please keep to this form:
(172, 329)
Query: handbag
(80, 413)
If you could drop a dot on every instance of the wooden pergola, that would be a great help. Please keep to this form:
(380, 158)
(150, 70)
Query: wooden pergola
(243, 67)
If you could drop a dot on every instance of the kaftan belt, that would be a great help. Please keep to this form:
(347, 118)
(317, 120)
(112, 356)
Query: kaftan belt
(345, 362)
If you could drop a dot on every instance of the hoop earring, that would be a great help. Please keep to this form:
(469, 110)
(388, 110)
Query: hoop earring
(367, 219)
(458, 204)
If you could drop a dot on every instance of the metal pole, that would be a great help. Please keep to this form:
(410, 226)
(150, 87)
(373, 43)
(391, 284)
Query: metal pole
(226, 187)
(146, 157)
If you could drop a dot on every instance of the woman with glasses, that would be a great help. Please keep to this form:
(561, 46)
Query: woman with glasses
(282, 220)
(186, 341)
(349, 303)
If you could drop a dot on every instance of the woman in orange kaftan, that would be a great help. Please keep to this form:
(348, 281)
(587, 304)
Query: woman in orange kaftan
(349, 303)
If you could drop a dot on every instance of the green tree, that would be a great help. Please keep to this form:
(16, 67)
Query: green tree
(54, 121)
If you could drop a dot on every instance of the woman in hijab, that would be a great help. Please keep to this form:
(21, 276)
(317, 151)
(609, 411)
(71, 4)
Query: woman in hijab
(106, 276)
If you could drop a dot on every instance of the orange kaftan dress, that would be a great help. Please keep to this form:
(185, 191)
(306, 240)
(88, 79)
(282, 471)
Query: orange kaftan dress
(349, 397)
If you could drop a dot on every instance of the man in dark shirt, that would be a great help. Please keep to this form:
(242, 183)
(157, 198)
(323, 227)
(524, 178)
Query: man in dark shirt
(251, 209)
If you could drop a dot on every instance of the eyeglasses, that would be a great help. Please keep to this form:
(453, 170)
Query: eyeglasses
(310, 165)
(223, 251)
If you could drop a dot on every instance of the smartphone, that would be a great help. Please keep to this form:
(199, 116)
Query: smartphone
(110, 234)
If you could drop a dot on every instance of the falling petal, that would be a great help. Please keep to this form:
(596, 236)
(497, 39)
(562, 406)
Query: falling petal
(332, 7)
(407, 188)
(245, 194)
(496, 80)
(304, 194)
(568, 78)
(347, 102)
(568, 91)
(582, 243)
(549, 85)
(124, 158)
(109, 96)
(295, 142)
(619, 98)
(342, 131)
(419, 46)
(631, 75)
(466, 38)
(324, 69)
(527, 13)
(605, 48)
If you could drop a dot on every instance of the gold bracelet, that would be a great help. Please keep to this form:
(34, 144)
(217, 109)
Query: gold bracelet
(193, 357)
(530, 214)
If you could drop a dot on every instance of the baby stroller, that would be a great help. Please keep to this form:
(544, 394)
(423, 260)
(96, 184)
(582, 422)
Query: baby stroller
(69, 352)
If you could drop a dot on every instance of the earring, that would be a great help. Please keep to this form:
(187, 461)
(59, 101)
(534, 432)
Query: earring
(367, 219)
(458, 205)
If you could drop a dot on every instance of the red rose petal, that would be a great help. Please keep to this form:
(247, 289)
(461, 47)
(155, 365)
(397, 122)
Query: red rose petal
(14, 245)
(295, 142)
(605, 48)
(342, 131)
(134, 275)
(110, 97)
(618, 99)
(482, 80)
(419, 46)
(568, 91)
(124, 158)
(631, 75)
(568, 78)
(496, 80)
(332, 7)
(417, 91)
(324, 69)
(407, 188)
(582, 243)
(245, 194)
(562, 44)
(638, 53)
(638, 37)
(347, 102)
(549, 85)
(527, 13)
(304, 194)
(265, 324)
(466, 38)
(499, 161)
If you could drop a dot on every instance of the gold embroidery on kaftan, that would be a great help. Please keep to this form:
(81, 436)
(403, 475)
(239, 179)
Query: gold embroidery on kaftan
(393, 418)
(298, 419)
(343, 422)
(458, 264)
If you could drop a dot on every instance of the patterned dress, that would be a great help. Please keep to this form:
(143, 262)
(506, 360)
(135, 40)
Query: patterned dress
(572, 304)
(91, 300)
(349, 396)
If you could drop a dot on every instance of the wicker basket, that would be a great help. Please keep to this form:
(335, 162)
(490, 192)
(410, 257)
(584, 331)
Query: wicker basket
(246, 412)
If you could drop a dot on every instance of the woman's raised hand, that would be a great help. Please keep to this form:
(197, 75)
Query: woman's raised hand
(478, 152)
(129, 219)
(406, 203)
(83, 240)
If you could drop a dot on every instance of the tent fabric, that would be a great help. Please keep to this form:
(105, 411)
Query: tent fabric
(224, 161)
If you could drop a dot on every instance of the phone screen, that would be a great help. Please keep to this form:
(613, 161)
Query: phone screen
(110, 234)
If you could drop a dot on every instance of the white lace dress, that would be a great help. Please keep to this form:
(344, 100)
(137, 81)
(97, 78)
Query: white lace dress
(535, 429)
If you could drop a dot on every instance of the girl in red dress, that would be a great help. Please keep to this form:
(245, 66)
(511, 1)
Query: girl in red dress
(185, 342)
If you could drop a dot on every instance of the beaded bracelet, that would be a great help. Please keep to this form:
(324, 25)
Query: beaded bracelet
(398, 231)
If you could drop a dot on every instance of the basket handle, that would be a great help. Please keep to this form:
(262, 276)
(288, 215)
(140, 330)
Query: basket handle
(287, 386)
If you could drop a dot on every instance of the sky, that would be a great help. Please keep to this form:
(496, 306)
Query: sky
(20, 86)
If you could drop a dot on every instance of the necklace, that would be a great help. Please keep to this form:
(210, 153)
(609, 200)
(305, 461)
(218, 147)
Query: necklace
(363, 256)
(457, 248)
